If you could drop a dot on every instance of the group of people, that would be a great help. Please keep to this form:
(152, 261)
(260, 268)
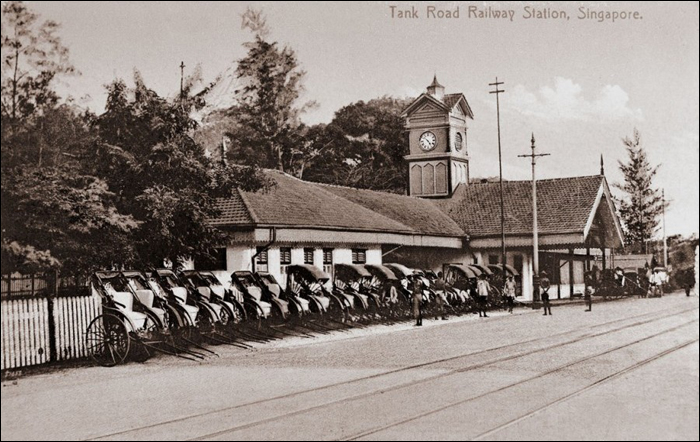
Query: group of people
(480, 295)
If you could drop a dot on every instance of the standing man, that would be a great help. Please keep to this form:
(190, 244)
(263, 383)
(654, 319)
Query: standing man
(544, 285)
(440, 296)
(417, 300)
(588, 290)
(482, 291)
(510, 292)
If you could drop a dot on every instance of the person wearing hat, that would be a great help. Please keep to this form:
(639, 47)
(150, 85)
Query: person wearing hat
(509, 291)
(482, 291)
(417, 295)
(440, 297)
(588, 290)
(544, 285)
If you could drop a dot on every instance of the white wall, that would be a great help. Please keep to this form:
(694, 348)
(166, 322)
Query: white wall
(374, 256)
(342, 256)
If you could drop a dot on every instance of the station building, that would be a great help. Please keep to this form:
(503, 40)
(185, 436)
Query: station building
(443, 218)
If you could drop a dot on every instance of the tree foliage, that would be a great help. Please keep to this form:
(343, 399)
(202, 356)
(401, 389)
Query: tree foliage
(642, 203)
(161, 176)
(126, 188)
(33, 56)
(265, 124)
(363, 146)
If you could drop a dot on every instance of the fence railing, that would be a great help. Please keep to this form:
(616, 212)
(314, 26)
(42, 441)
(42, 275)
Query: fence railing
(44, 318)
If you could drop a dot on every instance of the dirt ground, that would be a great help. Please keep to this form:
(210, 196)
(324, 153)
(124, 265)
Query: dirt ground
(628, 370)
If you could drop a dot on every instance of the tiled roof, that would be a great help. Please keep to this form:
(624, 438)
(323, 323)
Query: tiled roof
(419, 214)
(293, 202)
(564, 205)
(233, 211)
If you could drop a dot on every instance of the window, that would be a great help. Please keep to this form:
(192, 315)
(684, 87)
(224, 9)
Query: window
(261, 263)
(308, 255)
(494, 259)
(285, 259)
(359, 256)
(216, 261)
(328, 261)
(285, 255)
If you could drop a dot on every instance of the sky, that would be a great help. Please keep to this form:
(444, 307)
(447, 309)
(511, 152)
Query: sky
(579, 84)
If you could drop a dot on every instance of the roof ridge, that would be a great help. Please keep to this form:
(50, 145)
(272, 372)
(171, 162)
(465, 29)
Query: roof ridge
(248, 207)
(540, 180)
(340, 186)
(408, 228)
(333, 195)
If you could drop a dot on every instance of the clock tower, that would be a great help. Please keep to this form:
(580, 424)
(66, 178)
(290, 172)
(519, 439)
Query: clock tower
(438, 159)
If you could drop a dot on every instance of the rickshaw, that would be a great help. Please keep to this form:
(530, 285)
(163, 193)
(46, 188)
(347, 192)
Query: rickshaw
(350, 283)
(384, 281)
(298, 306)
(202, 316)
(614, 284)
(258, 299)
(209, 288)
(309, 282)
(129, 326)
(461, 283)
(402, 273)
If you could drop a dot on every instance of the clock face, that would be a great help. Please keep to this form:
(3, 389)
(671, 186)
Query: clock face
(428, 141)
(458, 141)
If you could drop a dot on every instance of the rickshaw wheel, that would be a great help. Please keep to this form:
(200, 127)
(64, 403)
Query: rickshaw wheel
(238, 314)
(107, 340)
(226, 316)
(205, 322)
(255, 318)
(337, 313)
(276, 316)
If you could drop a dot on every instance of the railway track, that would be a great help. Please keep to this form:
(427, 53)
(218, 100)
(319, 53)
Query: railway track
(588, 333)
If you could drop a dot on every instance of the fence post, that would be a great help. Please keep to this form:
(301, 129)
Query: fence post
(53, 354)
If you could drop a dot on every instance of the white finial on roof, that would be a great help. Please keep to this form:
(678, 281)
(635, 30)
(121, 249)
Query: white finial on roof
(436, 89)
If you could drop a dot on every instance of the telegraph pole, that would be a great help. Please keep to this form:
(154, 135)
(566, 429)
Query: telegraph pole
(500, 178)
(663, 205)
(535, 240)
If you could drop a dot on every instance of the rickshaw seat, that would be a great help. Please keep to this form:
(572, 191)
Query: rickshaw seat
(205, 292)
(274, 289)
(191, 310)
(266, 308)
(124, 298)
(215, 307)
(181, 294)
(303, 302)
(323, 300)
(255, 292)
(137, 318)
(146, 297)
(218, 290)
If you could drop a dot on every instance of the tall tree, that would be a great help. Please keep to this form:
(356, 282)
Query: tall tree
(363, 146)
(162, 177)
(33, 56)
(265, 124)
(642, 203)
(53, 213)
